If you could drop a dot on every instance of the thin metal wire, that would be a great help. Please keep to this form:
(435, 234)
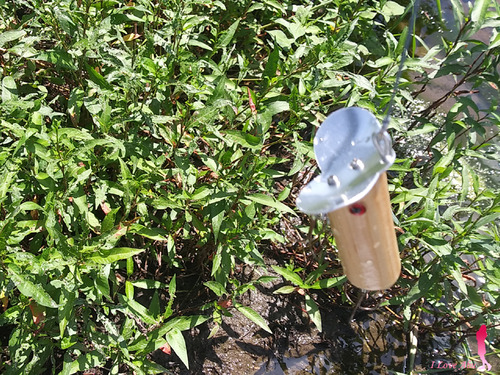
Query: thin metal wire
(362, 296)
(385, 122)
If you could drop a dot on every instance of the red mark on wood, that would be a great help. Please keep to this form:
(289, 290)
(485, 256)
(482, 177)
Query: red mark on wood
(357, 209)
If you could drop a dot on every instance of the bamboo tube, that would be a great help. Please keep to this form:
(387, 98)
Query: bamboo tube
(366, 239)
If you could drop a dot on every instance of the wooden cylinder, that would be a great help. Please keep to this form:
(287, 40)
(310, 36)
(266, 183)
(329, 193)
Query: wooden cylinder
(366, 239)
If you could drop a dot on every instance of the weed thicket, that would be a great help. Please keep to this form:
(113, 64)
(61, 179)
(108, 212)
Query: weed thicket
(142, 140)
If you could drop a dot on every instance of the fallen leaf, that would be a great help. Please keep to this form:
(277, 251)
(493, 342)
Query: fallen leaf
(131, 36)
(37, 311)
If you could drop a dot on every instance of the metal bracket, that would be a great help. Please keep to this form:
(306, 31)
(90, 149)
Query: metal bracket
(351, 150)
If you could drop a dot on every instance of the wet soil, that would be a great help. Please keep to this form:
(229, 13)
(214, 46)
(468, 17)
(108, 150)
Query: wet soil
(374, 342)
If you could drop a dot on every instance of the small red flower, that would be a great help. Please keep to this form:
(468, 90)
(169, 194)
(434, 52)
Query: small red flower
(105, 208)
(225, 303)
(165, 348)
(250, 101)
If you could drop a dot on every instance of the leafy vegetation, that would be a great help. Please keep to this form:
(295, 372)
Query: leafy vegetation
(145, 141)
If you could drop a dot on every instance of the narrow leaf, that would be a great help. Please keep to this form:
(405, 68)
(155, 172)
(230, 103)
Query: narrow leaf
(313, 311)
(271, 202)
(178, 344)
(66, 304)
(290, 276)
(29, 289)
(97, 78)
(137, 309)
(228, 35)
(287, 289)
(253, 316)
(272, 64)
(149, 284)
(216, 287)
(106, 256)
(329, 283)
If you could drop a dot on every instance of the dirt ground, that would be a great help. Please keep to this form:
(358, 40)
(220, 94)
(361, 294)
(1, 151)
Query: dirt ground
(370, 344)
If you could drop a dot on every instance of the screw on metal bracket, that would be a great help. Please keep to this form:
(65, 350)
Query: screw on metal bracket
(356, 164)
(333, 180)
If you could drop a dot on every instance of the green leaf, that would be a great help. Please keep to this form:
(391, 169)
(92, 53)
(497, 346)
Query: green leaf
(458, 13)
(290, 276)
(178, 344)
(401, 42)
(272, 64)
(137, 309)
(391, 8)
(457, 275)
(29, 289)
(443, 162)
(271, 202)
(129, 290)
(59, 57)
(97, 78)
(66, 308)
(217, 212)
(329, 283)
(287, 289)
(488, 219)
(494, 40)
(105, 256)
(155, 337)
(253, 316)
(149, 284)
(465, 181)
(296, 29)
(157, 234)
(216, 287)
(197, 43)
(313, 311)
(275, 4)
(243, 139)
(9, 89)
(75, 103)
(213, 331)
(479, 9)
(229, 34)
(150, 367)
(11, 35)
(108, 222)
(29, 206)
(276, 107)
(281, 39)
(121, 18)
(82, 363)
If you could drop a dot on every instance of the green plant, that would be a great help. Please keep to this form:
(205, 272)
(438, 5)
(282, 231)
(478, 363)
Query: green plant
(141, 142)
(311, 282)
(227, 300)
